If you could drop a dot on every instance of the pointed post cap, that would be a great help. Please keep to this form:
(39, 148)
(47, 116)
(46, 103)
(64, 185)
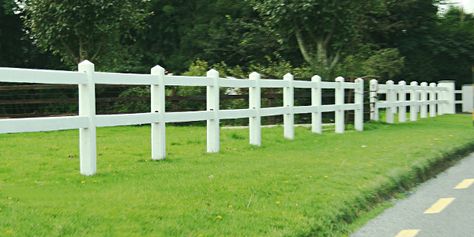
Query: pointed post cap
(212, 73)
(86, 62)
(254, 76)
(86, 65)
(414, 83)
(157, 70)
(288, 76)
(316, 78)
(390, 82)
(340, 79)
(402, 83)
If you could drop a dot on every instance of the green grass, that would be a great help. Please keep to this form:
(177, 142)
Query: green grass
(315, 185)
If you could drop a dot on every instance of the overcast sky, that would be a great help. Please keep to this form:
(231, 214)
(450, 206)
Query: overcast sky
(468, 5)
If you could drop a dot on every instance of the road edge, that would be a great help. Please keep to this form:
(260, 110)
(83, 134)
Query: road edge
(377, 199)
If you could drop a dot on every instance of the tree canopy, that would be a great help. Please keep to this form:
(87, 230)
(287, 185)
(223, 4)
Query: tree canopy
(323, 29)
(79, 30)
(386, 39)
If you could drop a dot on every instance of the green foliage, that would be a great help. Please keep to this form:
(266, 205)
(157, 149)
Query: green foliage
(181, 32)
(197, 68)
(312, 186)
(389, 39)
(270, 69)
(453, 47)
(16, 49)
(323, 29)
(134, 100)
(384, 63)
(96, 30)
(410, 27)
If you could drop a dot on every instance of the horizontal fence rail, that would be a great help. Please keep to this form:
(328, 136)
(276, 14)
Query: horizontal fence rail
(88, 120)
(424, 100)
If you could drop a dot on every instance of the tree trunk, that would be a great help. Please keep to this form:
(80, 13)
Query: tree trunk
(82, 52)
(319, 61)
(322, 54)
(301, 45)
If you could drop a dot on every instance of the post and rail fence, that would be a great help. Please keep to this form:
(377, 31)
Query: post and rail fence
(87, 120)
(423, 98)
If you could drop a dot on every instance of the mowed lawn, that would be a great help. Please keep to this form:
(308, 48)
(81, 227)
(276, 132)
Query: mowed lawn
(313, 185)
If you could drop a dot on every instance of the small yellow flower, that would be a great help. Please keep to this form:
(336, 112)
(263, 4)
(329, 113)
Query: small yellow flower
(83, 182)
(277, 202)
(219, 218)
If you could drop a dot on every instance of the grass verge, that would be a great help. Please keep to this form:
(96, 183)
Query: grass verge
(315, 185)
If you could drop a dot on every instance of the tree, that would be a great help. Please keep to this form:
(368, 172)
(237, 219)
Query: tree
(182, 31)
(17, 50)
(409, 26)
(453, 46)
(323, 29)
(10, 34)
(435, 46)
(97, 30)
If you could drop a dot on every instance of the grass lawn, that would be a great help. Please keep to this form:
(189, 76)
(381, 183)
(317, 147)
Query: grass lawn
(314, 185)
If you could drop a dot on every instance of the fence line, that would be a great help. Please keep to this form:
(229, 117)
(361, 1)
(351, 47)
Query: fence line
(438, 99)
(87, 121)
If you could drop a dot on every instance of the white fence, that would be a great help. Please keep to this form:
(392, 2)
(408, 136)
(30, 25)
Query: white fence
(467, 98)
(87, 120)
(433, 99)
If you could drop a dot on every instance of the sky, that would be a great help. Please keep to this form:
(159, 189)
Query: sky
(468, 5)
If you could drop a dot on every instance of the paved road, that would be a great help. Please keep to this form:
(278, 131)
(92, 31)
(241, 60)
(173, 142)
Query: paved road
(441, 207)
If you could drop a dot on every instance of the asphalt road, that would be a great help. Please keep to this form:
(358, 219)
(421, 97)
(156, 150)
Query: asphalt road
(441, 207)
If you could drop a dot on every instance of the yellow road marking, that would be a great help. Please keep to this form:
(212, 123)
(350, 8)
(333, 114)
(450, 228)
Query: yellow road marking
(407, 233)
(439, 206)
(465, 184)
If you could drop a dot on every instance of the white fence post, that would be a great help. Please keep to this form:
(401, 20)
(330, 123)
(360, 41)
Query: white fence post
(391, 99)
(423, 100)
(449, 107)
(87, 136)
(432, 99)
(439, 97)
(374, 111)
(255, 123)
(339, 113)
(288, 102)
(402, 97)
(467, 98)
(213, 130)
(316, 117)
(158, 129)
(359, 101)
(414, 101)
